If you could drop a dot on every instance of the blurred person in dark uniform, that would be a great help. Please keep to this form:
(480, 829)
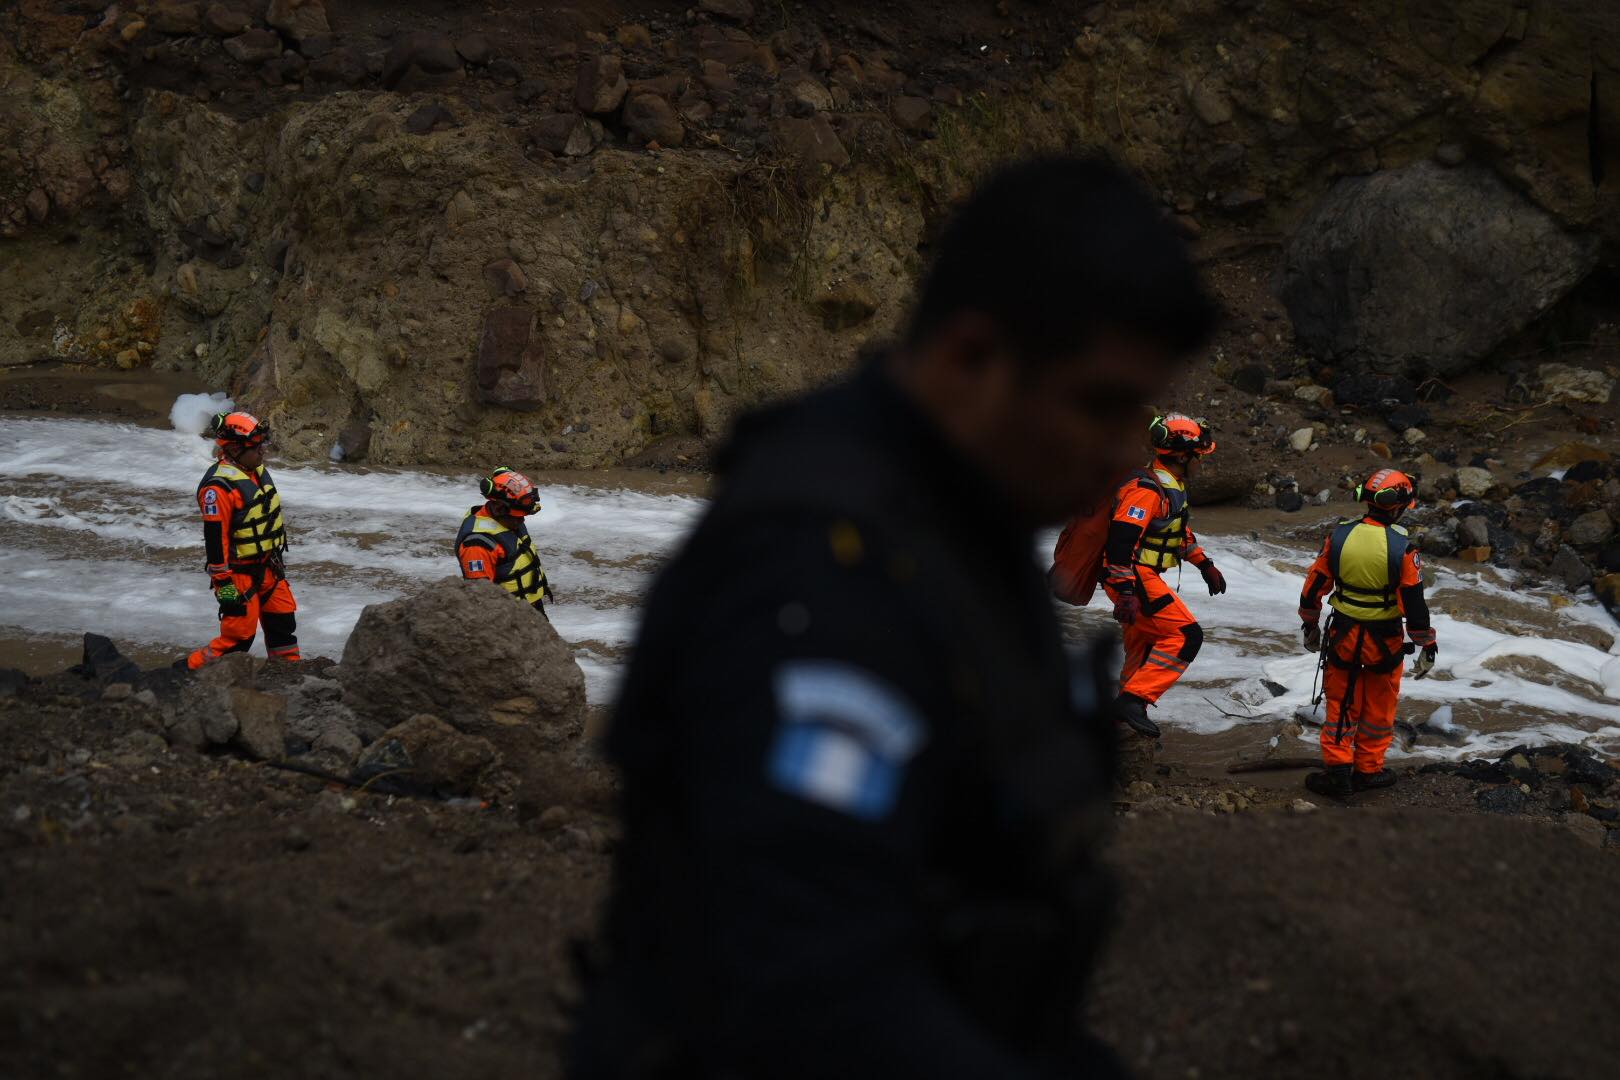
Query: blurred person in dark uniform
(864, 784)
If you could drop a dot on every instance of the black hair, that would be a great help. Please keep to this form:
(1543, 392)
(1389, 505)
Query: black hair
(1057, 249)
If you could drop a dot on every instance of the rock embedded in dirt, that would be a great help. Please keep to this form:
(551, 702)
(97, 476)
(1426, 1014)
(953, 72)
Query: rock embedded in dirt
(1367, 290)
(1440, 541)
(474, 48)
(1590, 529)
(812, 141)
(1570, 568)
(737, 11)
(421, 60)
(1300, 440)
(568, 134)
(510, 371)
(1564, 382)
(506, 277)
(845, 305)
(254, 46)
(913, 114)
(261, 723)
(465, 651)
(1474, 483)
(654, 120)
(1290, 500)
(600, 86)
(226, 20)
(427, 752)
(1474, 531)
(1503, 799)
(1320, 396)
(298, 19)
(430, 118)
(176, 18)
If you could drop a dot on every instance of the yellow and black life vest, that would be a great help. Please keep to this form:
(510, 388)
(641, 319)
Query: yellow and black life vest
(1364, 558)
(517, 567)
(256, 530)
(1164, 536)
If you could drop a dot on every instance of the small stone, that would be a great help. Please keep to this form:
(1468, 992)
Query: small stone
(1413, 436)
(223, 20)
(298, 19)
(1474, 483)
(295, 839)
(254, 46)
(1290, 500)
(1302, 806)
(1590, 529)
(1450, 154)
(1300, 440)
(1474, 554)
(1139, 789)
(118, 691)
(1570, 568)
(474, 48)
(430, 118)
(911, 113)
(1589, 830)
(1319, 396)
(553, 818)
(1474, 531)
(633, 36)
(654, 119)
(1379, 449)
(506, 277)
(1209, 104)
(600, 86)
(128, 359)
(1565, 382)
(147, 698)
(737, 11)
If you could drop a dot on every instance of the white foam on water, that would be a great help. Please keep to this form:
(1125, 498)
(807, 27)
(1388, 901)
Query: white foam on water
(190, 413)
(98, 531)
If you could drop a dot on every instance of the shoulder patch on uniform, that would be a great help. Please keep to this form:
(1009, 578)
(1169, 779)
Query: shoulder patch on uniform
(1417, 560)
(1136, 513)
(843, 739)
(475, 566)
(210, 494)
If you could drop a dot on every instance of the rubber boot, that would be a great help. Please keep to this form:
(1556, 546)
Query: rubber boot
(1133, 711)
(1362, 781)
(1333, 781)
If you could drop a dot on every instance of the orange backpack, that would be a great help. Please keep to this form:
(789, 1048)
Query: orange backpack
(1077, 560)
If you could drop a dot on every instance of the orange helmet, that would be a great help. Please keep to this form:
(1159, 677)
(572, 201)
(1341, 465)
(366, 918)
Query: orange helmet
(1387, 489)
(1175, 433)
(510, 492)
(238, 430)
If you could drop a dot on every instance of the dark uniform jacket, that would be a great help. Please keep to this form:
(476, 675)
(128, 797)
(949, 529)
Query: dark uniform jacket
(864, 783)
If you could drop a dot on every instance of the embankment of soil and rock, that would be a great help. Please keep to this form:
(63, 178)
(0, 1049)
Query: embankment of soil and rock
(421, 232)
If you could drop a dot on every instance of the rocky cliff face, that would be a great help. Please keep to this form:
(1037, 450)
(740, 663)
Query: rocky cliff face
(425, 233)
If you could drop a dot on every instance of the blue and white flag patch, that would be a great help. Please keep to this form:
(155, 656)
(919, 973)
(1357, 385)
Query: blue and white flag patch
(845, 738)
(1136, 513)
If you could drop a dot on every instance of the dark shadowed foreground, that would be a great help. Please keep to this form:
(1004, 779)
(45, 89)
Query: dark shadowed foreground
(170, 913)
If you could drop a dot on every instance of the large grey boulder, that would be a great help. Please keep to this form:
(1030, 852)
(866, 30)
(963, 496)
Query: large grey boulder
(1425, 268)
(466, 652)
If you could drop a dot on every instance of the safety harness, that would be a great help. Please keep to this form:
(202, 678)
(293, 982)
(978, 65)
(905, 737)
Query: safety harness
(1163, 537)
(256, 532)
(1370, 593)
(517, 569)
(1364, 606)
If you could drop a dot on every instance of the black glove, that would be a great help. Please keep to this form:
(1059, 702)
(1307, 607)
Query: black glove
(1212, 577)
(232, 604)
(1127, 608)
(1313, 637)
(1425, 661)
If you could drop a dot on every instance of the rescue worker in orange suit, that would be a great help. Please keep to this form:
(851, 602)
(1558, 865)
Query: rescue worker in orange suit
(1148, 536)
(1377, 580)
(494, 543)
(245, 541)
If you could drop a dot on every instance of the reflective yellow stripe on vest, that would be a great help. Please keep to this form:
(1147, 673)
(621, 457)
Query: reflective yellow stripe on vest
(256, 530)
(1162, 540)
(1365, 561)
(518, 570)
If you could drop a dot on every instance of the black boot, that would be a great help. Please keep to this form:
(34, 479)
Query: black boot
(1363, 781)
(1133, 711)
(1333, 781)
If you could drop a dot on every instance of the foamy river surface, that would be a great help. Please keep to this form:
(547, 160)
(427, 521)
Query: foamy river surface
(99, 532)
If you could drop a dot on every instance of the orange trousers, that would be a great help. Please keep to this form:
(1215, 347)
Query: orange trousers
(1162, 641)
(271, 604)
(1361, 682)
